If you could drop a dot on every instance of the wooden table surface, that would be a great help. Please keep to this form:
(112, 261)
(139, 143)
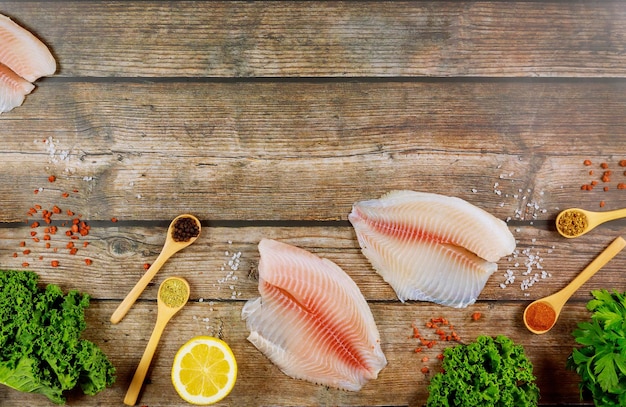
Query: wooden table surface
(270, 119)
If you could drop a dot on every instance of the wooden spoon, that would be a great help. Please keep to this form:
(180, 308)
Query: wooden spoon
(170, 247)
(585, 220)
(168, 305)
(550, 307)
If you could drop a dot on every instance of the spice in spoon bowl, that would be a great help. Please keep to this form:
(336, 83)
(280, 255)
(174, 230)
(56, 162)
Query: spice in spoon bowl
(182, 232)
(576, 222)
(173, 295)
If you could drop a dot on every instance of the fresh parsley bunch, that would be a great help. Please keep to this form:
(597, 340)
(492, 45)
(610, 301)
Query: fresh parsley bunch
(601, 361)
(489, 372)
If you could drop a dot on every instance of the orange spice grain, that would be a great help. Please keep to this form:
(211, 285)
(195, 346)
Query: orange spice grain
(440, 356)
(73, 251)
(46, 237)
(476, 316)
(418, 349)
(54, 263)
(621, 185)
(85, 244)
(425, 370)
(65, 195)
(22, 243)
(52, 178)
(27, 251)
(146, 266)
(604, 165)
(425, 359)
(88, 262)
(587, 162)
(36, 191)
(35, 239)
(14, 254)
(34, 225)
(47, 245)
(622, 163)
(33, 233)
(56, 209)
(605, 189)
(113, 220)
(602, 203)
(25, 264)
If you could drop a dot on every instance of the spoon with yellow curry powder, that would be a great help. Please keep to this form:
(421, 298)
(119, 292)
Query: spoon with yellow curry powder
(183, 231)
(576, 222)
(173, 295)
(541, 315)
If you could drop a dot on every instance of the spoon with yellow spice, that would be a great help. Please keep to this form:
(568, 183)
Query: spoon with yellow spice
(576, 222)
(173, 295)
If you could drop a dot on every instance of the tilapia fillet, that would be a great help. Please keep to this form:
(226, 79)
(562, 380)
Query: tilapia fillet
(23, 59)
(431, 247)
(311, 319)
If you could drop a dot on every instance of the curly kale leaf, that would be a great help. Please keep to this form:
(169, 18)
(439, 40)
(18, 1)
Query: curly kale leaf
(487, 372)
(41, 350)
(601, 361)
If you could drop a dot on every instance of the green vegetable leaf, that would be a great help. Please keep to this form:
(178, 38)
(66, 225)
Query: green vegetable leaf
(41, 349)
(490, 372)
(605, 371)
(601, 361)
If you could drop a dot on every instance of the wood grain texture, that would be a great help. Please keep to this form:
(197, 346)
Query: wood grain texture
(269, 120)
(331, 39)
(261, 383)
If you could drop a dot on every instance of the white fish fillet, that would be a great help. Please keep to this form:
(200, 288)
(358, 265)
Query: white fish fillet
(13, 89)
(24, 53)
(23, 59)
(312, 320)
(431, 247)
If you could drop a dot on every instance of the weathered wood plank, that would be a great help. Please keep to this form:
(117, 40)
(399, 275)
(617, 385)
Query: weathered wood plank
(290, 147)
(221, 264)
(400, 383)
(344, 39)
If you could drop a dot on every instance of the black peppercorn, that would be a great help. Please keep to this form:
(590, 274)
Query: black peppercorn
(184, 229)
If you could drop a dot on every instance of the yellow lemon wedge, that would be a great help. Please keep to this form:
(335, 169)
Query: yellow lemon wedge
(204, 370)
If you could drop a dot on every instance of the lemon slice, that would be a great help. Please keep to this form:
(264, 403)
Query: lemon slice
(204, 370)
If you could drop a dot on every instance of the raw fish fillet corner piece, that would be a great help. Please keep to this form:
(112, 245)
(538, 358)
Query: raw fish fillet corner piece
(311, 319)
(23, 60)
(431, 247)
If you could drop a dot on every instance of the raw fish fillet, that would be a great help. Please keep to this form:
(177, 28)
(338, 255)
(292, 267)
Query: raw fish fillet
(13, 89)
(431, 247)
(23, 59)
(24, 53)
(312, 320)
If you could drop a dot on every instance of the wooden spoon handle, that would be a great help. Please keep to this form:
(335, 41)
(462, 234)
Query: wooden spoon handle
(611, 215)
(141, 285)
(144, 364)
(611, 251)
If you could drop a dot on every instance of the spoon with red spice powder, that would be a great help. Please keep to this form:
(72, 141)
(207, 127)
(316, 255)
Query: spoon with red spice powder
(541, 315)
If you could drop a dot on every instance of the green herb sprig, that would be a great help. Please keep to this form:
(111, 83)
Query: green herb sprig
(601, 361)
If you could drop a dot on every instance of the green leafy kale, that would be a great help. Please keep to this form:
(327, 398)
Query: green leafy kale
(40, 346)
(487, 372)
(601, 361)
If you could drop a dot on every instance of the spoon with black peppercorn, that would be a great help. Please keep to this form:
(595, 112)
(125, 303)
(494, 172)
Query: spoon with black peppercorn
(183, 231)
(576, 222)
